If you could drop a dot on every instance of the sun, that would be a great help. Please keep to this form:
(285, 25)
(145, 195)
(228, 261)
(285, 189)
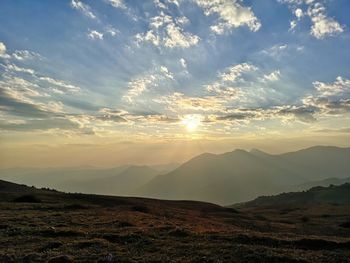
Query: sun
(191, 122)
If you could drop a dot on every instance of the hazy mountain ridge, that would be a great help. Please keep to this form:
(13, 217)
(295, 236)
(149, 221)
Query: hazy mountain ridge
(317, 195)
(240, 175)
(226, 178)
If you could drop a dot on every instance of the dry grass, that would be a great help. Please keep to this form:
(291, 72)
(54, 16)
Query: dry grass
(87, 228)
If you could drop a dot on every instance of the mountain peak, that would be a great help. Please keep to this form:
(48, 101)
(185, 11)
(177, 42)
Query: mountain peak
(257, 152)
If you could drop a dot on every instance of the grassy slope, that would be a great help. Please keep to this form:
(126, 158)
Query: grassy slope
(91, 228)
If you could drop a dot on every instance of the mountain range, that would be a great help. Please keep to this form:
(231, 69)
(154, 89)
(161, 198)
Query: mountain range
(241, 175)
(226, 178)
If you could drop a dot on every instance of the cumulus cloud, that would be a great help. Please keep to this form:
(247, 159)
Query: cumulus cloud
(330, 98)
(167, 31)
(3, 53)
(93, 34)
(341, 86)
(273, 76)
(322, 25)
(231, 14)
(224, 86)
(84, 8)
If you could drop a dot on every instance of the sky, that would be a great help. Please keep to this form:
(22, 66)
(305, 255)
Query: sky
(109, 82)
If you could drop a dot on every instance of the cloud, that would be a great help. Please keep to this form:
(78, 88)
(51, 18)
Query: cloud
(17, 104)
(93, 34)
(180, 103)
(61, 84)
(275, 51)
(224, 85)
(116, 3)
(322, 25)
(84, 8)
(273, 76)
(13, 67)
(3, 53)
(231, 14)
(343, 130)
(167, 31)
(330, 98)
(144, 83)
(26, 55)
(341, 86)
(39, 124)
(183, 63)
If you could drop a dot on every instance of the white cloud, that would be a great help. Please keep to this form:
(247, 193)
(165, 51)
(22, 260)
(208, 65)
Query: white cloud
(339, 87)
(84, 8)
(3, 53)
(26, 55)
(323, 26)
(276, 50)
(273, 76)
(116, 3)
(234, 72)
(13, 67)
(167, 31)
(177, 38)
(299, 13)
(112, 31)
(144, 83)
(93, 34)
(225, 85)
(59, 83)
(183, 63)
(231, 15)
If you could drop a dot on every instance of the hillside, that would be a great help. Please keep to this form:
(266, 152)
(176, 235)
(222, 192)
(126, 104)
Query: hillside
(317, 195)
(324, 183)
(240, 175)
(57, 227)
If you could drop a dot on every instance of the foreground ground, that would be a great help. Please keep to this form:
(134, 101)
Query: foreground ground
(41, 226)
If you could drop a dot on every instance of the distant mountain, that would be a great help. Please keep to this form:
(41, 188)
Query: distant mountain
(240, 175)
(114, 181)
(317, 195)
(165, 168)
(324, 183)
(320, 162)
(57, 177)
(123, 183)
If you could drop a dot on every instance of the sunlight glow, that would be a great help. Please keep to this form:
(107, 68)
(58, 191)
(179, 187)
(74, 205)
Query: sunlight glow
(191, 122)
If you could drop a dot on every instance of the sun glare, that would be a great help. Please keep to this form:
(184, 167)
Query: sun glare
(191, 122)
